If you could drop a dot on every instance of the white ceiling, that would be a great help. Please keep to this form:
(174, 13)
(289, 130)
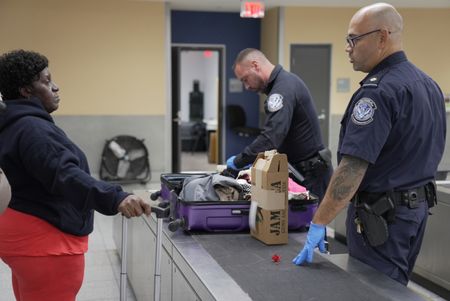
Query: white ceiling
(234, 5)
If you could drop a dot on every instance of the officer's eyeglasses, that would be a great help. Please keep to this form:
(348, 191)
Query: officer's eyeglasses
(351, 40)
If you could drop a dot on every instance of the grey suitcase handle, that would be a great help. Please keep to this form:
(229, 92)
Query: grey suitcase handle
(160, 213)
(123, 266)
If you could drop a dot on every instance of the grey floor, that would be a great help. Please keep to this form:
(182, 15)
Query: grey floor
(195, 161)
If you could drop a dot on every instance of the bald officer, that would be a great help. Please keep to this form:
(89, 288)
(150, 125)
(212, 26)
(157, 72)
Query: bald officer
(291, 125)
(391, 141)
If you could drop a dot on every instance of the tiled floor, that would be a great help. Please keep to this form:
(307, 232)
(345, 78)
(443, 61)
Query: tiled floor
(195, 161)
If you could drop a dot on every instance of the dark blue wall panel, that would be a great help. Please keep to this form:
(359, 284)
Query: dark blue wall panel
(236, 34)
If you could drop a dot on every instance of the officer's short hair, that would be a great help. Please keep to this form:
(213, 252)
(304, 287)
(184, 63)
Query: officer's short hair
(19, 68)
(244, 54)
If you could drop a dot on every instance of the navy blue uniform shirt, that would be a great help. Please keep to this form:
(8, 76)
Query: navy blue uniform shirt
(48, 173)
(396, 121)
(291, 125)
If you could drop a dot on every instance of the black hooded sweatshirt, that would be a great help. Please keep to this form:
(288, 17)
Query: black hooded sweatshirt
(49, 175)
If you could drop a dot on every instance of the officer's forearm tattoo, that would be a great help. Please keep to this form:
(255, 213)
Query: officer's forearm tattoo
(347, 178)
(344, 183)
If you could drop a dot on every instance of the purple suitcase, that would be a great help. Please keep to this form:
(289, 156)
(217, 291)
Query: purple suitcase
(222, 216)
(201, 216)
(301, 212)
(233, 216)
(212, 216)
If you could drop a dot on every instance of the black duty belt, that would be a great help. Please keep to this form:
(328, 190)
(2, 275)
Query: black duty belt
(319, 162)
(410, 197)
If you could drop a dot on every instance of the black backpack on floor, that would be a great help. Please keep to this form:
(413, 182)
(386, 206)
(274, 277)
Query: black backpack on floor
(125, 160)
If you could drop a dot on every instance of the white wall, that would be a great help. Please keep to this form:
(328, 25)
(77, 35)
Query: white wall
(196, 66)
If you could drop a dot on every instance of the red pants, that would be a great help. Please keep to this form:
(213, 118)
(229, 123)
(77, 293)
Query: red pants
(46, 278)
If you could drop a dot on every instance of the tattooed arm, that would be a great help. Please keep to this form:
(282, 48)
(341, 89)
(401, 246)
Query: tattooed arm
(345, 181)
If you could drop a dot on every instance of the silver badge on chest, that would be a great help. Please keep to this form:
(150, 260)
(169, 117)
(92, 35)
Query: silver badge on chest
(275, 102)
(364, 111)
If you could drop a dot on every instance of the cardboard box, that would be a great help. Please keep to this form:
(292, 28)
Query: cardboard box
(270, 190)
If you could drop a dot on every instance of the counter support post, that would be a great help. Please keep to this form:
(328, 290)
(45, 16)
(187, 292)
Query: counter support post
(123, 268)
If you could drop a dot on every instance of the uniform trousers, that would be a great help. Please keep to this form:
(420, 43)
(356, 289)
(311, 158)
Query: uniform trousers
(397, 256)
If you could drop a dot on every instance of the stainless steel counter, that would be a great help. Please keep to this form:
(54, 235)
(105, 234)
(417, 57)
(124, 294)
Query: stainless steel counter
(433, 263)
(191, 272)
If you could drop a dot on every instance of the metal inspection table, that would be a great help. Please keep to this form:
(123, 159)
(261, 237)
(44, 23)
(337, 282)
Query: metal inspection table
(236, 266)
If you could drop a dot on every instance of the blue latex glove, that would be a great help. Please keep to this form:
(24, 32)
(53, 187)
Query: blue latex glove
(315, 238)
(231, 165)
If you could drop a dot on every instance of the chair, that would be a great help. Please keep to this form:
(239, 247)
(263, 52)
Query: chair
(237, 121)
(198, 132)
(193, 136)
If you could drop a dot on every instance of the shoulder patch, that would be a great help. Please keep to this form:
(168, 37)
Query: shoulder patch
(364, 111)
(275, 102)
(371, 82)
(374, 80)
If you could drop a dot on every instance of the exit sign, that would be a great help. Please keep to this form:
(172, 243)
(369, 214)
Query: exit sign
(252, 9)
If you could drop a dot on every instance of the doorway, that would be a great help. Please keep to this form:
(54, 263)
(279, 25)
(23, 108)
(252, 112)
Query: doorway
(197, 99)
(312, 63)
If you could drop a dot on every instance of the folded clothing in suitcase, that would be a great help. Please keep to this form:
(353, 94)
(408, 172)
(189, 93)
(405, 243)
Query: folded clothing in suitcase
(172, 181)
(203, 215)
(223, 215)
(213, 188)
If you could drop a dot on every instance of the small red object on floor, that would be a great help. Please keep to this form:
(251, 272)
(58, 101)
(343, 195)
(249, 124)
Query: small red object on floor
(276, 258)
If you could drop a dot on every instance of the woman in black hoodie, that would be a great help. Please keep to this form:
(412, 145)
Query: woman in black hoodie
(44, 231)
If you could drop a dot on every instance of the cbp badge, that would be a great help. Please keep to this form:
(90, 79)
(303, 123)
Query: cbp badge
(363, 111)
(275, 102)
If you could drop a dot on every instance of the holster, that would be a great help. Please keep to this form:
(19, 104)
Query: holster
(375, 227)
(325, 154)
(430, 190)
(373, 214)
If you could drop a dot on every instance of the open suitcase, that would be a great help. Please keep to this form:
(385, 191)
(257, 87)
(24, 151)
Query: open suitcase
(221, 216)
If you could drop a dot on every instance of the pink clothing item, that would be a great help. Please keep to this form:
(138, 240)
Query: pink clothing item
(294, 187)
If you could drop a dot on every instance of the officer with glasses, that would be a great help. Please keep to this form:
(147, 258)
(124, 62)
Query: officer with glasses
(391, 141)
(351, 39)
